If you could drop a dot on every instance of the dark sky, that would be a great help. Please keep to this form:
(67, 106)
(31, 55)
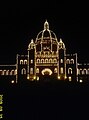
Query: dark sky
(19, 23)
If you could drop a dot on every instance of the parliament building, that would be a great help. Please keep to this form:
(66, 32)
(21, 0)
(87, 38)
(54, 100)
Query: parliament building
(46, 57)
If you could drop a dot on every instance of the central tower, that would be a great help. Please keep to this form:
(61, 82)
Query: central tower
(47, 54)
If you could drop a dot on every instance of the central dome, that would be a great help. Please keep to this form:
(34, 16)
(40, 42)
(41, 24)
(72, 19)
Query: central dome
(46, 33)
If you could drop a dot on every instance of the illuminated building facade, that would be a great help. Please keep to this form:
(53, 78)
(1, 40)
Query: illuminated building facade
(46, 57)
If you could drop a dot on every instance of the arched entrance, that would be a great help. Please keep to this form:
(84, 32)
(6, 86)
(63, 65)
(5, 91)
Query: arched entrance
(46, 74)
(46, 71)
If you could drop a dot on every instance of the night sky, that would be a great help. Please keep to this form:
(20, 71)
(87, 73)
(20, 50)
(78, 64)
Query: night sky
(21, 22)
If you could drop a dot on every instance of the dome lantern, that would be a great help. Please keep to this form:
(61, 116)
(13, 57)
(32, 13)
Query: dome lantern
(46, 25)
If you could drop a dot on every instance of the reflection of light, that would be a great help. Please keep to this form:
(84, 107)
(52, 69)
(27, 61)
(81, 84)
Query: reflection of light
(28, 77)
(58, 77)
(81, 81)
(34, 77)
(37, 78)
(12, 81)
(65, 77)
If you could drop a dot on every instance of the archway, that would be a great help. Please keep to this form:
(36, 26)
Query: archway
(46, 71)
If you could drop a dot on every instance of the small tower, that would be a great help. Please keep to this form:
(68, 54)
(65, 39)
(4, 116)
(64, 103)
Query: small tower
(61, 60)
(31, 75)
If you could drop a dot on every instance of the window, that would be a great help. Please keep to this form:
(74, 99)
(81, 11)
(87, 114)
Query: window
(55, 60)
(55, 70)
(46, 60)
(80, 71)
(31, 70)
(61, 60)
(72, 61)
(50, 60)
(38, 60)
(85, 71)
(69, 78)
(67, 61)
(61, 70)
(69, 70)
(42, 60)
(23, 71)
(25, 62)
(12, 72)
(31, 61)
(37, 70)
(7, 72)
(4, 72)
(21, 62)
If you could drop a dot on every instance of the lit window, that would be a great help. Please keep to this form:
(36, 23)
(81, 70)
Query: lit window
(61, 60)
(31, 61)
(7, 72)
(42, 60)
(23, 71)
(31, 70)
(67, 61)
(37, 70)
(21, 62)
(69, 78)
(25, 62)
(38, 60)
(72, 61)
(61, 70)
(85, 71)
(55, 60)
(55, 70)
(50, 60)
(69, 70)
(46, 60)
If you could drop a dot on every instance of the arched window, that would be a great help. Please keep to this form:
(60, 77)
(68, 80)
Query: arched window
(67, 61)
(80, 71)
(25, 62)
(50, 60)
(55, 70)
(46, 60)
(21, 62)
(69, 70)
(85, 71)
(42, 60)
(61, 60)
(4, 72)
(54, 60)
(61, 70)
(16, 72)
(37, 70)
(72, 61)
(12, 72)
(31, 70)
(7, 72)
(38, 60)
(23, 71)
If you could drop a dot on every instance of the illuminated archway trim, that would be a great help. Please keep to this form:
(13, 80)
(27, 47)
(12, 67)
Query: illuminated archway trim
(47, 70)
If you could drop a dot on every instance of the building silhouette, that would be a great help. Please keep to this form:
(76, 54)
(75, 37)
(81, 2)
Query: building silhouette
(46, 57)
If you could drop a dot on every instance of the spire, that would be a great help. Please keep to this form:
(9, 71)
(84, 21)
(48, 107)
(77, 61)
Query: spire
(60, 40)
(32, 41)
(46, 25)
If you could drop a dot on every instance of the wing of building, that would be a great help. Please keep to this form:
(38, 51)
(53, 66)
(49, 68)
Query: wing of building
(46, 57)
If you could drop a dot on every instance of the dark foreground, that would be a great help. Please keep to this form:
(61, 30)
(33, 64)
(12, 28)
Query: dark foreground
(55, 100)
